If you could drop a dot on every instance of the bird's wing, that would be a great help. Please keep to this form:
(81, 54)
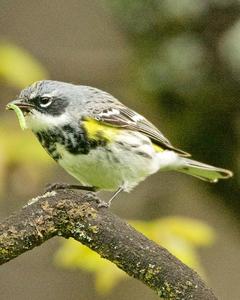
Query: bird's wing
(123, 117)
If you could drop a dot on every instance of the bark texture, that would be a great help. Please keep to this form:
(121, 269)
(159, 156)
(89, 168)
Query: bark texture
(77, 215)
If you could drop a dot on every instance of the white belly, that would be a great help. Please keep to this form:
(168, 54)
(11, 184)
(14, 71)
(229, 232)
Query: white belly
(108, 169)
(124, 163)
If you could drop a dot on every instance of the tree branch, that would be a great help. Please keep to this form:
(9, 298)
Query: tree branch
(72, 214)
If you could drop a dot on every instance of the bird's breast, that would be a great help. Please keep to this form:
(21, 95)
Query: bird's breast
(73, 141)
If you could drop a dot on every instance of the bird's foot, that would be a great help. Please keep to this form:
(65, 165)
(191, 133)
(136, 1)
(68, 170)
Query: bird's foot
(56, 186)
(103, 204)
(65, 186)
(108, 204)
(90, 196)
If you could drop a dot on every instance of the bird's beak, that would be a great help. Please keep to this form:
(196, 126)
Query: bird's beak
(24, 106)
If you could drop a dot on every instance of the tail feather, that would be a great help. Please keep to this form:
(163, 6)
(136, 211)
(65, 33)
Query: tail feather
(203, 171)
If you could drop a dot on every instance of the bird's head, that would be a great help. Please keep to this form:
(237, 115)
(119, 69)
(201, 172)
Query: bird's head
(45, 104)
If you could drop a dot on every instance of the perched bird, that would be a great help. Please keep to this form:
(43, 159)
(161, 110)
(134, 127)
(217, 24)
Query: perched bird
(101, 142)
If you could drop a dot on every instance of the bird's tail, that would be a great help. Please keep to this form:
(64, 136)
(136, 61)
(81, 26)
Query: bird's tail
(203, 171)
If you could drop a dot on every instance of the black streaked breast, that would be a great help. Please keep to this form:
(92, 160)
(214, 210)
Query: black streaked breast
(73, 139)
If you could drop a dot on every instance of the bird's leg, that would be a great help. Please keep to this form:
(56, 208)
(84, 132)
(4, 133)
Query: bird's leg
(107, 204)
(65, 186)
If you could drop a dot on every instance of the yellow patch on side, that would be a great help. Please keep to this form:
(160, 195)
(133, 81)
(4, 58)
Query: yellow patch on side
(97, 130)
(157, 148)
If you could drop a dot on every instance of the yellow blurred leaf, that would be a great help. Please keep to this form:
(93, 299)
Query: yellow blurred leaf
(17, 146)
(18, 67)
(181, 236)
(20, 150)
(194, 231)
(74, 255)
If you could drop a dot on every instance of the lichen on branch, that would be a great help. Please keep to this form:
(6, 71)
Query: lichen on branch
(77, 215)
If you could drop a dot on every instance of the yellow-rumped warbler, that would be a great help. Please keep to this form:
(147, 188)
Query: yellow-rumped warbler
(100, 141)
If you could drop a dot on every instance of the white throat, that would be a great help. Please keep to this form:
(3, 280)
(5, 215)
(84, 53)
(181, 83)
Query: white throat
(38, 121)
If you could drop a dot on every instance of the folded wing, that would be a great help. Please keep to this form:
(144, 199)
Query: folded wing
(123, 117)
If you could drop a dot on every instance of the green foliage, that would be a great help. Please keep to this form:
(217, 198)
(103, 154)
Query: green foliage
(186, 61)
(18, 67)
(181, 236)
(28, 148)
(18, 150)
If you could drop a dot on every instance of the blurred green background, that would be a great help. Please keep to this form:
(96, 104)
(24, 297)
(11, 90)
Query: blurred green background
(178, 63)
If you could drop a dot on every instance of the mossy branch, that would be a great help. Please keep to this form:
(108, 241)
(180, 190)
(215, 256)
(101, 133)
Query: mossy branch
(77, 215)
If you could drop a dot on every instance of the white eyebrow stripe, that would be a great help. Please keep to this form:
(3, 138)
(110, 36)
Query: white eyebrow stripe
(49, 95)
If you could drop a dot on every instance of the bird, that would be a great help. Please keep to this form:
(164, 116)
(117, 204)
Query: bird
(101, 142)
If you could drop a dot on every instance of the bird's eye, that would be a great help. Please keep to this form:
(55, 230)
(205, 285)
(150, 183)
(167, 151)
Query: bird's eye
(45, 102)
